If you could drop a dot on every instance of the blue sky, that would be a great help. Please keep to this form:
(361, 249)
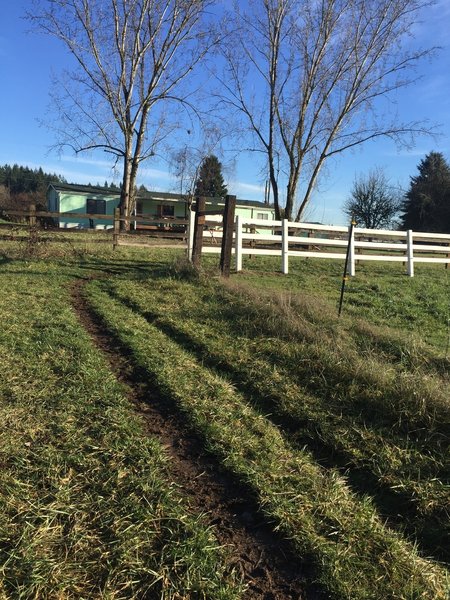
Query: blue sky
(27, 61)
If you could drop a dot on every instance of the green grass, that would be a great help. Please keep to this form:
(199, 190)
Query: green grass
(87, 504)
(313, 506)
(334, 408)
(338, 427)
(379, 293)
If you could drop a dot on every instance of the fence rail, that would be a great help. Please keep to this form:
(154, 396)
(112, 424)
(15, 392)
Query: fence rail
(259, 237)
(58, 215)
(169, 227)
(308, 240)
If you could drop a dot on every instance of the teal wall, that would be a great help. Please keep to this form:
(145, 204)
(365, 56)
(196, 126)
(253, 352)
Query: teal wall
(252, 212)
(76, 203)
(150, 207)
(72, 201)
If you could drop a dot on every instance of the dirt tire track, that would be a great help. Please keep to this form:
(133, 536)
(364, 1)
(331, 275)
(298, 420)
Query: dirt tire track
(263, 559)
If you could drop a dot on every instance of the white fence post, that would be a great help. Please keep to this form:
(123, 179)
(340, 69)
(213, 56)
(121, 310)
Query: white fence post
(238, 243)
(190, 236)
(285, 247)
(351, 253)
(410, 252)
(407, 247)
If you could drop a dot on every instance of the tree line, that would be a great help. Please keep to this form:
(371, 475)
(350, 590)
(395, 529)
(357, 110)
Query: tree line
(21, 186)
(19, 179)
(425, 206)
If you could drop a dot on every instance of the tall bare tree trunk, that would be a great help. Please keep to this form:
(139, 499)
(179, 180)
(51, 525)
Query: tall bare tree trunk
(125, 197)
(132, 59)
(309, 79)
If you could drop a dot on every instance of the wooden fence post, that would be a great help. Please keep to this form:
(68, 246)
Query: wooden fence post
(116, 229)
(285, 247)
(32, 215)
(238, 243)
(227, 235)
(198, 231)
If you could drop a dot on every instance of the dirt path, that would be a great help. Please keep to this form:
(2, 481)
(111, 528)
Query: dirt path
(265, 561)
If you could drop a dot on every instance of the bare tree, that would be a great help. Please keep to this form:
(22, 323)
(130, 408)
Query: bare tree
(132, 57)
(310, 77)
(373, 201)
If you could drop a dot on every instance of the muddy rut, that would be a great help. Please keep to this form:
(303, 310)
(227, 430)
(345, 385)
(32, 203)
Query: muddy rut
(266, 563)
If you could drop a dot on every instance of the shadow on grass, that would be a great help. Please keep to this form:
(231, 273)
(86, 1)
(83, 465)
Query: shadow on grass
(242, 497)
(429, 532)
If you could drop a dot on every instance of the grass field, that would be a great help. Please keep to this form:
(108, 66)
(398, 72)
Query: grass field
(339, 428)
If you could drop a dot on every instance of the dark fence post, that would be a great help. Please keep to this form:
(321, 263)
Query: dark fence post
(116, 230)
(227, 236)
(32, 215)
(198, 231)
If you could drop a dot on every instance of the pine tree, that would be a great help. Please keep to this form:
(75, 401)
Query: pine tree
(210, 181)
(25, 185)
(20, 179)
(427, 203)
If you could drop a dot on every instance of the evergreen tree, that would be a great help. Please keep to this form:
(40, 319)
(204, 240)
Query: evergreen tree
(20, 179)
(427, 203)
(25, 185)
(210, 181)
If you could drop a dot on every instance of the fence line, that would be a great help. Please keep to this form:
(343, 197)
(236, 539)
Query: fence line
(259, 237)
(119, 238)
(280, 238)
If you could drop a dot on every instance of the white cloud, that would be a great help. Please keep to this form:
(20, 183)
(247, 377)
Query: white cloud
(87, 161)
(407, 153)
(155, 174)
(244, 190)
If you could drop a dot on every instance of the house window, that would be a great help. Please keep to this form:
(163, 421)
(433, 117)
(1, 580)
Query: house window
(166, 210)
(139, 207)
(263, 216)
(95, 207)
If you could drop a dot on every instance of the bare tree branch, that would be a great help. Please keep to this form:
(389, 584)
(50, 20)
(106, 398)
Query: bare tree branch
(131, 60)
(308, 76)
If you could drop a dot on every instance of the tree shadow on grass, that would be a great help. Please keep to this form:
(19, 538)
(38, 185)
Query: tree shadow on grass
(397, 507)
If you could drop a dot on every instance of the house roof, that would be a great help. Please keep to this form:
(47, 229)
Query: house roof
(83, 189)
(147, 195)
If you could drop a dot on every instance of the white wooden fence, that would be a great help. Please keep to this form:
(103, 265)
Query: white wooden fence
(259, 237)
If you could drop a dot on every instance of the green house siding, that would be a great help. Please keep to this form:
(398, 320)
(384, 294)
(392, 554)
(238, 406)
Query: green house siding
(68, 198)
(256, 212)
(166, 208)
(81, 200)
(249, 209)
(81, 203)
